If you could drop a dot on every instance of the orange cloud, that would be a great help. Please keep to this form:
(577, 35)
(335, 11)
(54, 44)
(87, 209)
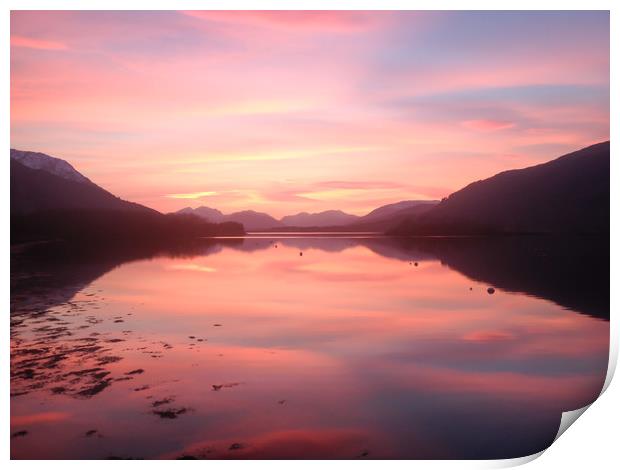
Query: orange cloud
(196, 195)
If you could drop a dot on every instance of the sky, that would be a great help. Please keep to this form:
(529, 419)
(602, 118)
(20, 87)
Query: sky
(293, 111)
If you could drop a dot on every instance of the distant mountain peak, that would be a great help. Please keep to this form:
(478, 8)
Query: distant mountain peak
(53, 165)
(319, 219)
(251, 220)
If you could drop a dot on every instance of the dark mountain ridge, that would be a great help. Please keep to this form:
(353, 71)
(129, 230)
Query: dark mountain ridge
(567, 195)
(51, 200)
(34, 190)
(319, 219)
(378, 220)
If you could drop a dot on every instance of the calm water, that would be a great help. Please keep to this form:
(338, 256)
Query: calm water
(284, 346)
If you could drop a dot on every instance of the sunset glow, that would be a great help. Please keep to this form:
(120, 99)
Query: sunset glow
(285, 112)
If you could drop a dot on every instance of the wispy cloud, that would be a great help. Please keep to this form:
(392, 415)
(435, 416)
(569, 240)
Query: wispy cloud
(305, 111)
(258, 156)
(487, 125)
(358, 185)
(197, 195)
(33, 43)
(298, 20)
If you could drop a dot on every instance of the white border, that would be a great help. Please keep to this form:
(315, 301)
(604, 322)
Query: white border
(591, 443)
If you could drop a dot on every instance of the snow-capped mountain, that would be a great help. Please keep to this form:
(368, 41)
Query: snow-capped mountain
(55, 166)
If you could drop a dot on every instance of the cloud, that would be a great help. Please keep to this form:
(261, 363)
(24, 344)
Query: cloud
(32, 43)
(196, 195)
(414, 106)
(487, 125)
(358, 185)
(277, 154)
(298, 20)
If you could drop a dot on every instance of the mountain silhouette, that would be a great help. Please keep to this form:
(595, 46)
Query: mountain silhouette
(387, 217)
(379, 219)
(41, 161)
(51, 200)
(210, 215)
(34, 189)
(567, 195)
(389, 210)
(319, 219)
(251, 220)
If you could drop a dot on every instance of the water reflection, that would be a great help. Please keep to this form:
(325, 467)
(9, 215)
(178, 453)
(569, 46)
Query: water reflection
(366, 347)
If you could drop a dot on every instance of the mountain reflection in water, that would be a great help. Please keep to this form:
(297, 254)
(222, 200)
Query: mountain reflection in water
(367, 347)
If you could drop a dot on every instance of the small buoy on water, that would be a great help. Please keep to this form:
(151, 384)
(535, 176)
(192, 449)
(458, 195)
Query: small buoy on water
(301, 253)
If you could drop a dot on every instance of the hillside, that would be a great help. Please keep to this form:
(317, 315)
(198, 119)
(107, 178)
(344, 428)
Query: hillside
(34, 190)
(52, 200)
(319, 219)
(567, 195)
(380, 219)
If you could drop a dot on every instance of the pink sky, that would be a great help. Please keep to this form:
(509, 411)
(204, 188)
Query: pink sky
(285, 112)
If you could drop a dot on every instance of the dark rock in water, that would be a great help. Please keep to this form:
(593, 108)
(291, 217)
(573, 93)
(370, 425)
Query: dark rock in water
(281, 402)
(143, 387)
(134, 372)
(191, 337)
(364, 454)
(415, 264)
(471, 288)
(100, 375)
(300, 253)
(226, 385)
(490, 290)
(171, 413)
(19, 434)
(216, 324)
(123, 379)
(90, 433)
(108, 360)
(163, 401)
(235, 446)
(95, 389)
(27, 374)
